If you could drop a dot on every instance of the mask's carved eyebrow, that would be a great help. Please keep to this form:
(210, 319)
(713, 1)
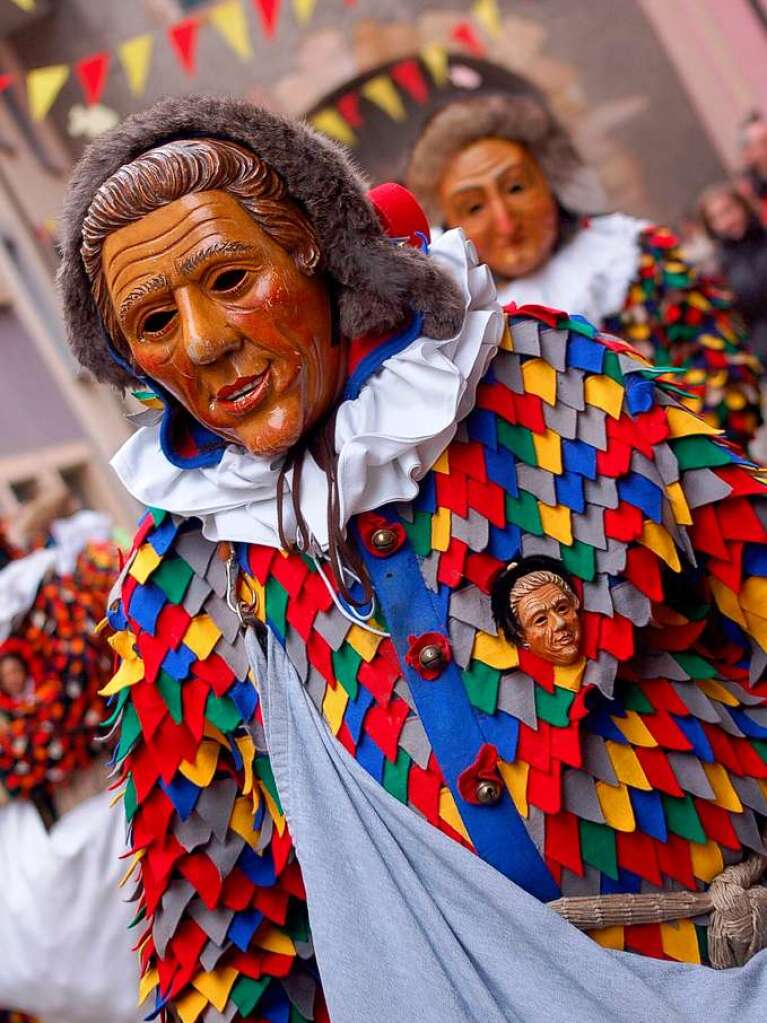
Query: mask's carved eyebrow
(515, 166)
(158, 283)
(190, 263)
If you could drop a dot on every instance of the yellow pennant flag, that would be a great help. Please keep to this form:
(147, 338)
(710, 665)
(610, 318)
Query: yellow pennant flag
(487, 14)
(380, 90)
(303, 10)
(43, 86)
(135, 55)
(26, 5)
(434, 57)
(330, 123)
(229, 19)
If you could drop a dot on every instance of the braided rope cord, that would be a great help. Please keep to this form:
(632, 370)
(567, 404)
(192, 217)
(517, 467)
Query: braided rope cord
(736, 901)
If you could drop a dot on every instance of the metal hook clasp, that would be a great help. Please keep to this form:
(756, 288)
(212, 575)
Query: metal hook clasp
(244, 609)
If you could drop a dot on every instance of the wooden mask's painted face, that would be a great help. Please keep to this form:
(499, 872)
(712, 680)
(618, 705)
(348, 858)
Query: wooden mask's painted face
(496, 191)
(549, 623)
(219, 314)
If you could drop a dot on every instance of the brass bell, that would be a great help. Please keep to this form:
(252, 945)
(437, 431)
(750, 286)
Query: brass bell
(488, 792)
(431, 657)
(383, 539)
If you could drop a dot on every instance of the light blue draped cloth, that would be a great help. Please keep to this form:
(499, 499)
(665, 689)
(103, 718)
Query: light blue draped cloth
(409, 927)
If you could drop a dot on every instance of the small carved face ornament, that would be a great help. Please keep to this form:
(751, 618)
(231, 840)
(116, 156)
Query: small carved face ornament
(549, 623)
(497, 192)
(220, 315)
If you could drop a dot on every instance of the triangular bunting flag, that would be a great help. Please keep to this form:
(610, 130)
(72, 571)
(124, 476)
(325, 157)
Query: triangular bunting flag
(135, 55)
(43, 86)
(229, 19)
(330, 122)
(268, 11)
(464, 34)
(92, 75)
(5, 81)
(487, 14)
(349, 108)
(303, 10)
(435, 59)
(183, 39)
(26, 5)
(407, 75)
(380, 90)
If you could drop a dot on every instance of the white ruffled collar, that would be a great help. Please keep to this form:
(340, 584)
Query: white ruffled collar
(386, 439)
(590, 275)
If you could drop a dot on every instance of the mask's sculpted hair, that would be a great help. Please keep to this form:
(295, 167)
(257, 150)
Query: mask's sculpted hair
(182, 167)
(531, 582)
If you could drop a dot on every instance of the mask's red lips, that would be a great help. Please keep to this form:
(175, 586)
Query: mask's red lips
(245, 394)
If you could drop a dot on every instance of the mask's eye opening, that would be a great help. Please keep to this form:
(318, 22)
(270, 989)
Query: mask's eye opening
(156, 322)
(228, 280)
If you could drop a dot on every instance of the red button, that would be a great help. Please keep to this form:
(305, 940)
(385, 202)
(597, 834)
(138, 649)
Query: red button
(481, 783)
(381, 537)
(429, 654)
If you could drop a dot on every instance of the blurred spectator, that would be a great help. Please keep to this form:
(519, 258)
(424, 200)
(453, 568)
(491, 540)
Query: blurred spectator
(695, 244)
(741, 245)
(14, 677)
(753, 147)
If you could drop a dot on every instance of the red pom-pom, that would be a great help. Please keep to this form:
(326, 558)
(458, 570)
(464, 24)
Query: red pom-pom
(400, 214)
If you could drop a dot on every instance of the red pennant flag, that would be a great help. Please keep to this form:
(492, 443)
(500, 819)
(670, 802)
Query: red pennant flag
(183, 39)
(5, 81)
(464, 34)
(92, 74)
(407, 74)
(348, 107)
(269, 12)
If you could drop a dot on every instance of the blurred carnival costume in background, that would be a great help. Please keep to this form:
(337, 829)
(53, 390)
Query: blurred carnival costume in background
(501, 167)
(52, 663)
(57, 838)
(347, 781)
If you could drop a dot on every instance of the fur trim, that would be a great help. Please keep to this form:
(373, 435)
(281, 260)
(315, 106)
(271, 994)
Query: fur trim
(378, 283)
(518, 118)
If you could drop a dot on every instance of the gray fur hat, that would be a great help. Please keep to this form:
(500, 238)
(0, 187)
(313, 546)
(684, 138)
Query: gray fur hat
(378, 283)
(521, 119)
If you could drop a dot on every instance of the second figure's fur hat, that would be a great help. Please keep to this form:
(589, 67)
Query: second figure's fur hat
(517, 118)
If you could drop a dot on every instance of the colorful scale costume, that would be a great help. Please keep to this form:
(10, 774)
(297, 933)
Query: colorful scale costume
(53, 731)
(642, 768)
(687, 321)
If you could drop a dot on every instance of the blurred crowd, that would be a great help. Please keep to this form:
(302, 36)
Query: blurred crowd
(727, 234)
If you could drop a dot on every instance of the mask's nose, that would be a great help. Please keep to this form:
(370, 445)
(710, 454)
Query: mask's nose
(208, 335)
(504, 222)
(558, 622)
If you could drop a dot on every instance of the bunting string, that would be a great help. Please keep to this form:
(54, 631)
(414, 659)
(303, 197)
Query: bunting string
(133, 57)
